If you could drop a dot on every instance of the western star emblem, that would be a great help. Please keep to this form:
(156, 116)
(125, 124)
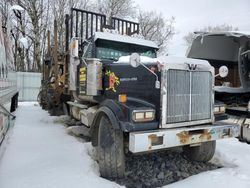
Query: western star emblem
(192, 66)
(113, 81)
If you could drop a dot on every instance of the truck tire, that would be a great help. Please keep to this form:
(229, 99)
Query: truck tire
(202, 153)
(110, 150)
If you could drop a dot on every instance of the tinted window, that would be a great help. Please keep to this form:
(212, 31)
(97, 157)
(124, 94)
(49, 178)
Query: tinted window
(114, 50)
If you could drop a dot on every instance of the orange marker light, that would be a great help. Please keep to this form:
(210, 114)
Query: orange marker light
(123, 98)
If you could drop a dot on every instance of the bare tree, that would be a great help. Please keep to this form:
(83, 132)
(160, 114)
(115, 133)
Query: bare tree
(59, 8)
(153, 26)
(39, 15)
(19, 52)
(33, 23)
(17, 29)
(4, 11)
(218, 28)
(32, 27)
(35, 10)
(116, 8)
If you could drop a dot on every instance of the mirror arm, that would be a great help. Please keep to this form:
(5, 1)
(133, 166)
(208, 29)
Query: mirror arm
(157, 84)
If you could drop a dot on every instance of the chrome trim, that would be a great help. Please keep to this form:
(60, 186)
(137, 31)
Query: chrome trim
(187, 123)
(164, 84)
(143, 141)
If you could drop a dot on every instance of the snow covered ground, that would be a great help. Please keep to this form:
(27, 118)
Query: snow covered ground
(39, 153)
(235, 157)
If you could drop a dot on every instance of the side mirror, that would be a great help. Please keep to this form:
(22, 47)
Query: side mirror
(223, 71)
(135, 60)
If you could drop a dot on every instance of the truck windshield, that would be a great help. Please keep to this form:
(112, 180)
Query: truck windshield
(113, 50)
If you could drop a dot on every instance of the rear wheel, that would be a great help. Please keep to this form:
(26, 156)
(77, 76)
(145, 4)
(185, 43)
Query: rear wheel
(110, 150)
(202, 153)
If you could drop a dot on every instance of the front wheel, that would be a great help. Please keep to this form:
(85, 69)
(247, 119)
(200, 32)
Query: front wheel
(202, 153)
(110, 150)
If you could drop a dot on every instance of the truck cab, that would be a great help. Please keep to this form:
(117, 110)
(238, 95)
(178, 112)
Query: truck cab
(128, 100)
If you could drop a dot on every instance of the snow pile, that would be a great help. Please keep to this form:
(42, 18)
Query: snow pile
(235, 157)
(40, 154)
(144, 59)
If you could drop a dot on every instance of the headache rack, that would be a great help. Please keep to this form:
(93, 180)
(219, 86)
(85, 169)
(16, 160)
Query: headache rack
(84, 23)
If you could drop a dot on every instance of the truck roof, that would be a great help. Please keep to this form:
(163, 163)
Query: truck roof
(124, 39)
(226, 33)
(219, 46)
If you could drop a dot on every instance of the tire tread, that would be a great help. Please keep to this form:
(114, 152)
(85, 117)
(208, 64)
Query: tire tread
(202, 153)
(111, 158)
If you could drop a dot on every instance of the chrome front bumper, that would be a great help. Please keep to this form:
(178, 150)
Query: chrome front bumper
(166, 138)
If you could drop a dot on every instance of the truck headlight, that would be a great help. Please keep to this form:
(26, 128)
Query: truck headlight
(219, 109)
(149, 115)
(139, 115)
(222, 109)
(143, 115)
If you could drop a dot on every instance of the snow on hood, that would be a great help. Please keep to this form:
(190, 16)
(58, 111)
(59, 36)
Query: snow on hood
(182, 60)
(167, 60)
(144, 59)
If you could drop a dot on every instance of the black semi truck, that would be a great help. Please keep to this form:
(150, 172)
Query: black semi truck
(125, 98)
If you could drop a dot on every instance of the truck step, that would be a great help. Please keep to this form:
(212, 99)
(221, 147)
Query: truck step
(87, 115)
(244, 122)
(78, 105)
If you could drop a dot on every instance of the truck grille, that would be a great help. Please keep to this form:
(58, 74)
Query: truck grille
(189, 96)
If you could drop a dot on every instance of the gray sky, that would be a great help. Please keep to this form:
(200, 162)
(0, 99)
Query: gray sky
(195, 14)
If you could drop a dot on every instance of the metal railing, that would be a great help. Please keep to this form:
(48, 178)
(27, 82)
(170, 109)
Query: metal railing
(84, 23)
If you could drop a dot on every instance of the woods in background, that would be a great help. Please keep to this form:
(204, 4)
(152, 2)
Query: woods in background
(38, 15)
(218, 28)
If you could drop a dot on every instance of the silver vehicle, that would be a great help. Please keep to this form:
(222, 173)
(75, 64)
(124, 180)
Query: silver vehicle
(8, 84)
(231, 49)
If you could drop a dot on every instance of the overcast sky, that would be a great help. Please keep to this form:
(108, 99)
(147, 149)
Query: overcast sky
(195, 14)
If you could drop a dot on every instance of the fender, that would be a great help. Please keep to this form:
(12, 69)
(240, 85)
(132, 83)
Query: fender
(119, 109)
(103, 110)
(118, 113)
